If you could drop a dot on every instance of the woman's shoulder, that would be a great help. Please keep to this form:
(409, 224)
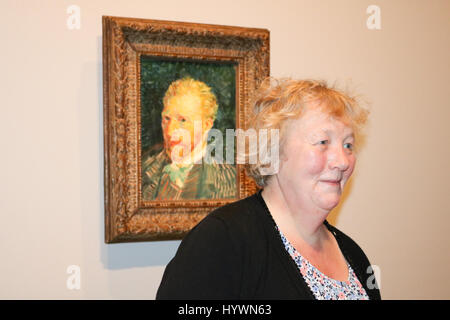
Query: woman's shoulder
(227, 229)
(208, 262)
(236, 212)
(236, 219)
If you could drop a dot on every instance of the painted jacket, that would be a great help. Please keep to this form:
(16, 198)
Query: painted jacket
(203, 181)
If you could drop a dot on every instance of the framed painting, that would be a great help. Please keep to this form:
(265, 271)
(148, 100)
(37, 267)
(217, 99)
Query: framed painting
(175, 95)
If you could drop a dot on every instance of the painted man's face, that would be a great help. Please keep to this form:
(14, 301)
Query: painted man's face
(182, 112)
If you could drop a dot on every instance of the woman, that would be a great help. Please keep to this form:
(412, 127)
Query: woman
(277, 243)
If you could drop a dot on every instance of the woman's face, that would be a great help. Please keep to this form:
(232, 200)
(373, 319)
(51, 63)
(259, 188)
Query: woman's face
(316, 161)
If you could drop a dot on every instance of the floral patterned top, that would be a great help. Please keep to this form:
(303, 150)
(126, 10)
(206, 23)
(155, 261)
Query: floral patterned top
(323, 287)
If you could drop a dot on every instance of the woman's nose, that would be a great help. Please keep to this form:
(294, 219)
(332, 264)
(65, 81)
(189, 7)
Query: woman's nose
(339, 158)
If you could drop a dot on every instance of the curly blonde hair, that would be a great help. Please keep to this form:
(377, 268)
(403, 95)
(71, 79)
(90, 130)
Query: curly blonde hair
(280, 100)
(188, 85)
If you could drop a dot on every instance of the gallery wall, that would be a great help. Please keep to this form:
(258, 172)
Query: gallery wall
(51, 185)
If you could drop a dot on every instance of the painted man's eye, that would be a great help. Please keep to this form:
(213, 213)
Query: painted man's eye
(348, 146)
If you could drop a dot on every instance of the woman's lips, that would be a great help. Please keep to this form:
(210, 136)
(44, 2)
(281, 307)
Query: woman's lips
(332, 182)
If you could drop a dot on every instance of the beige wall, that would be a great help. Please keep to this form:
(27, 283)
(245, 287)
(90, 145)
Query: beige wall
(51, 185)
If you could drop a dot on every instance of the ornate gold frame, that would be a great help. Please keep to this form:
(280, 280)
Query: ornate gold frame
(127, 217)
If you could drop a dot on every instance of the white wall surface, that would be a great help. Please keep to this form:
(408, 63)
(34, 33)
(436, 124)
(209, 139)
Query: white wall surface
(51, 178)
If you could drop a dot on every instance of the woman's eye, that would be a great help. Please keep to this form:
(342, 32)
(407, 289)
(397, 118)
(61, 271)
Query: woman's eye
(323, 142)
(348, 146)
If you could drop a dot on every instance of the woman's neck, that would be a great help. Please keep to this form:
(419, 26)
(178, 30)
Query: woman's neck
(293, 218)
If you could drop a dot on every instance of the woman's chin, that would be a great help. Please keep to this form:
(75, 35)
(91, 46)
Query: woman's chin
(328, 203)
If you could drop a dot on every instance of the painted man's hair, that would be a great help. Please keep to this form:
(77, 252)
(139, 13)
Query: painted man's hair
(188, 86)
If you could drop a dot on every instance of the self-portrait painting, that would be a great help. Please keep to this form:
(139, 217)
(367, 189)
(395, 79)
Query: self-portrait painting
(175, 95)
(181, 103)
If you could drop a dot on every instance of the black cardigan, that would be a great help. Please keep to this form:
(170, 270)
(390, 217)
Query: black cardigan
(236, 253)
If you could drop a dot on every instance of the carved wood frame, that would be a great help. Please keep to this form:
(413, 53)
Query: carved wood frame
(127, 217)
